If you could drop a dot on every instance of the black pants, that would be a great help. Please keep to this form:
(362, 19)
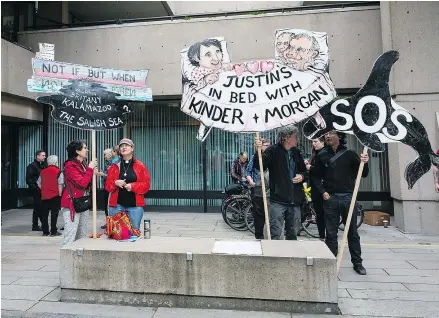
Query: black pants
(338, 204)
(106, 196)
(317, 202)
(53, 206)
(38, 208)
(258, 216)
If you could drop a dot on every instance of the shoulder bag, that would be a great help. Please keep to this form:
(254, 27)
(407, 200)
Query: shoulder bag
(81, 204)
(335, 157)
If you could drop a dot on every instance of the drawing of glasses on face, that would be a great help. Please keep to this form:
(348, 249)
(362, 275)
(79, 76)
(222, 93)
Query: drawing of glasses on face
(299, 49)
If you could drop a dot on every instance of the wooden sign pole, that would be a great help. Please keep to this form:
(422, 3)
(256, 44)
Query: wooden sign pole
(93, 157)
(264, 195)
(351, 210)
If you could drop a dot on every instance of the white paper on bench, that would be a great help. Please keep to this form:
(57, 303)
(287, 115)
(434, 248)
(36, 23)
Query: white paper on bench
(237, 248)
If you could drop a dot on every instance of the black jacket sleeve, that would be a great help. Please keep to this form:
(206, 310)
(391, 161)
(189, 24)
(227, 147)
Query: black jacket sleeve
(32, 176)
(317, 175)
(355, 164)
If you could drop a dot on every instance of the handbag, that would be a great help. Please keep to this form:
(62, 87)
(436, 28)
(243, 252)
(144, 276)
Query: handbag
(81, 204)
(119, 227)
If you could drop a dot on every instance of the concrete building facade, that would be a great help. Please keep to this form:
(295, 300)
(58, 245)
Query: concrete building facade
(357, 35)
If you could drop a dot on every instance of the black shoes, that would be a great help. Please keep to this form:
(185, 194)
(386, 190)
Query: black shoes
(104, 226)
(38, 228)
(46, 234)
(360, 269)
(56, 234)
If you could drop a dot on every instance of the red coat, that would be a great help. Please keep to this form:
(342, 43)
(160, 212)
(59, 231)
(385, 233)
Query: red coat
(49, 182)
(79, 177)
(140, 187)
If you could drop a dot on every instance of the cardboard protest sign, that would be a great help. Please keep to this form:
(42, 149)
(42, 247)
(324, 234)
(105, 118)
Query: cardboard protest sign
(87, 105)
(256, 96)
(87, 97)
(374, 118)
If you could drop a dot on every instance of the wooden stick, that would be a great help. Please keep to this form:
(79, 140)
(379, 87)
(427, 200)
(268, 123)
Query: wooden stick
(264, 195)
(93, 157)
(351, 210)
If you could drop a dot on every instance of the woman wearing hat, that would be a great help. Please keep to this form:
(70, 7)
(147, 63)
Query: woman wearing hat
(127, 182)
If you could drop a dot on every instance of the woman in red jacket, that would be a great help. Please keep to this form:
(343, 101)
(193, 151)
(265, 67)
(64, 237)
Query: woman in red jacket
(127, 182)
(78, 177)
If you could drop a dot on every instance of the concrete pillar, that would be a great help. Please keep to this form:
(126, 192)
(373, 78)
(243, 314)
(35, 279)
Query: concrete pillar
(65, 12)
(411, 29)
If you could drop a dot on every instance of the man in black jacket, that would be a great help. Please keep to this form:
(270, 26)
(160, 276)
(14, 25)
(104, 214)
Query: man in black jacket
(287, 172)
(335, 181)
(32, 174)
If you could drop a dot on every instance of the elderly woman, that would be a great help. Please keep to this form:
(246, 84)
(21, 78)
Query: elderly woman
(77, 179)
(127, 182)
(50, 182)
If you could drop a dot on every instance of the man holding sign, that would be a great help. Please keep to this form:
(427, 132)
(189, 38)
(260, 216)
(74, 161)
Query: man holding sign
(287, 171)
(337, 167)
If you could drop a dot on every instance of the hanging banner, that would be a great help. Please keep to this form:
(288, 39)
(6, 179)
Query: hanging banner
(295, 86)
(256, 96)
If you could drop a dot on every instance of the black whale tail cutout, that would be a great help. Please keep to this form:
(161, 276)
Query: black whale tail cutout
(416, 169)
(380, 74)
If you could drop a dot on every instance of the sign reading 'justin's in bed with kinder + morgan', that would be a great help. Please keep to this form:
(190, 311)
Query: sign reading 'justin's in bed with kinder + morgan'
(87, 97)
(252, 96)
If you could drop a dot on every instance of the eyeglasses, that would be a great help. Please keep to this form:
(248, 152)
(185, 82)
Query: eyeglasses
(299, 49)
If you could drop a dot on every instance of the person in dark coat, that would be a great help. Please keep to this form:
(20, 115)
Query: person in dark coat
(32, 174)
(287, 173)
(237, 170)
(335, 182)
(317, 200)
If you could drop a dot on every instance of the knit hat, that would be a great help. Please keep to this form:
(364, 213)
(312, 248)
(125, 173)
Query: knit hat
(126, 141)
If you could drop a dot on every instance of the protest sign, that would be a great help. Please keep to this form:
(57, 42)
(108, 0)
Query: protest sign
(254, 96)
(86, 105)
(375, 119)
(61, 70)
(54, 85)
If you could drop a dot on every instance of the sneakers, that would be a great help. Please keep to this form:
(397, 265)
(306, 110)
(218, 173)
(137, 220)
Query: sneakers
(56, 234)
(46, 234)
(360, 269)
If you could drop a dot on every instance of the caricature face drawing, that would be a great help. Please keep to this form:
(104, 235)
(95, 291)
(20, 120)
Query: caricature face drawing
(207, 54)
(282, 42)
(301, 52)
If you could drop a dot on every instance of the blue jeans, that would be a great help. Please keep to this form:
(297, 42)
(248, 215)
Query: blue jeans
(134, 213)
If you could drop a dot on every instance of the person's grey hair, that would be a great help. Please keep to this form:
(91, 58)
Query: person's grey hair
(285, 132)
(52, 160)
(314, 44)
(108, 151)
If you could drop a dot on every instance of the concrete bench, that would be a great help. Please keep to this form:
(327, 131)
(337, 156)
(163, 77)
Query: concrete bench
(282, 276)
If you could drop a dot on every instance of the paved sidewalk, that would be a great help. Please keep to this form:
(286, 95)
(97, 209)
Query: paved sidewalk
(402, 280)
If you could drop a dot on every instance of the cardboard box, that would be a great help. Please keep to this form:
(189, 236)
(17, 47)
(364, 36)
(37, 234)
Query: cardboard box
(376, 218)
